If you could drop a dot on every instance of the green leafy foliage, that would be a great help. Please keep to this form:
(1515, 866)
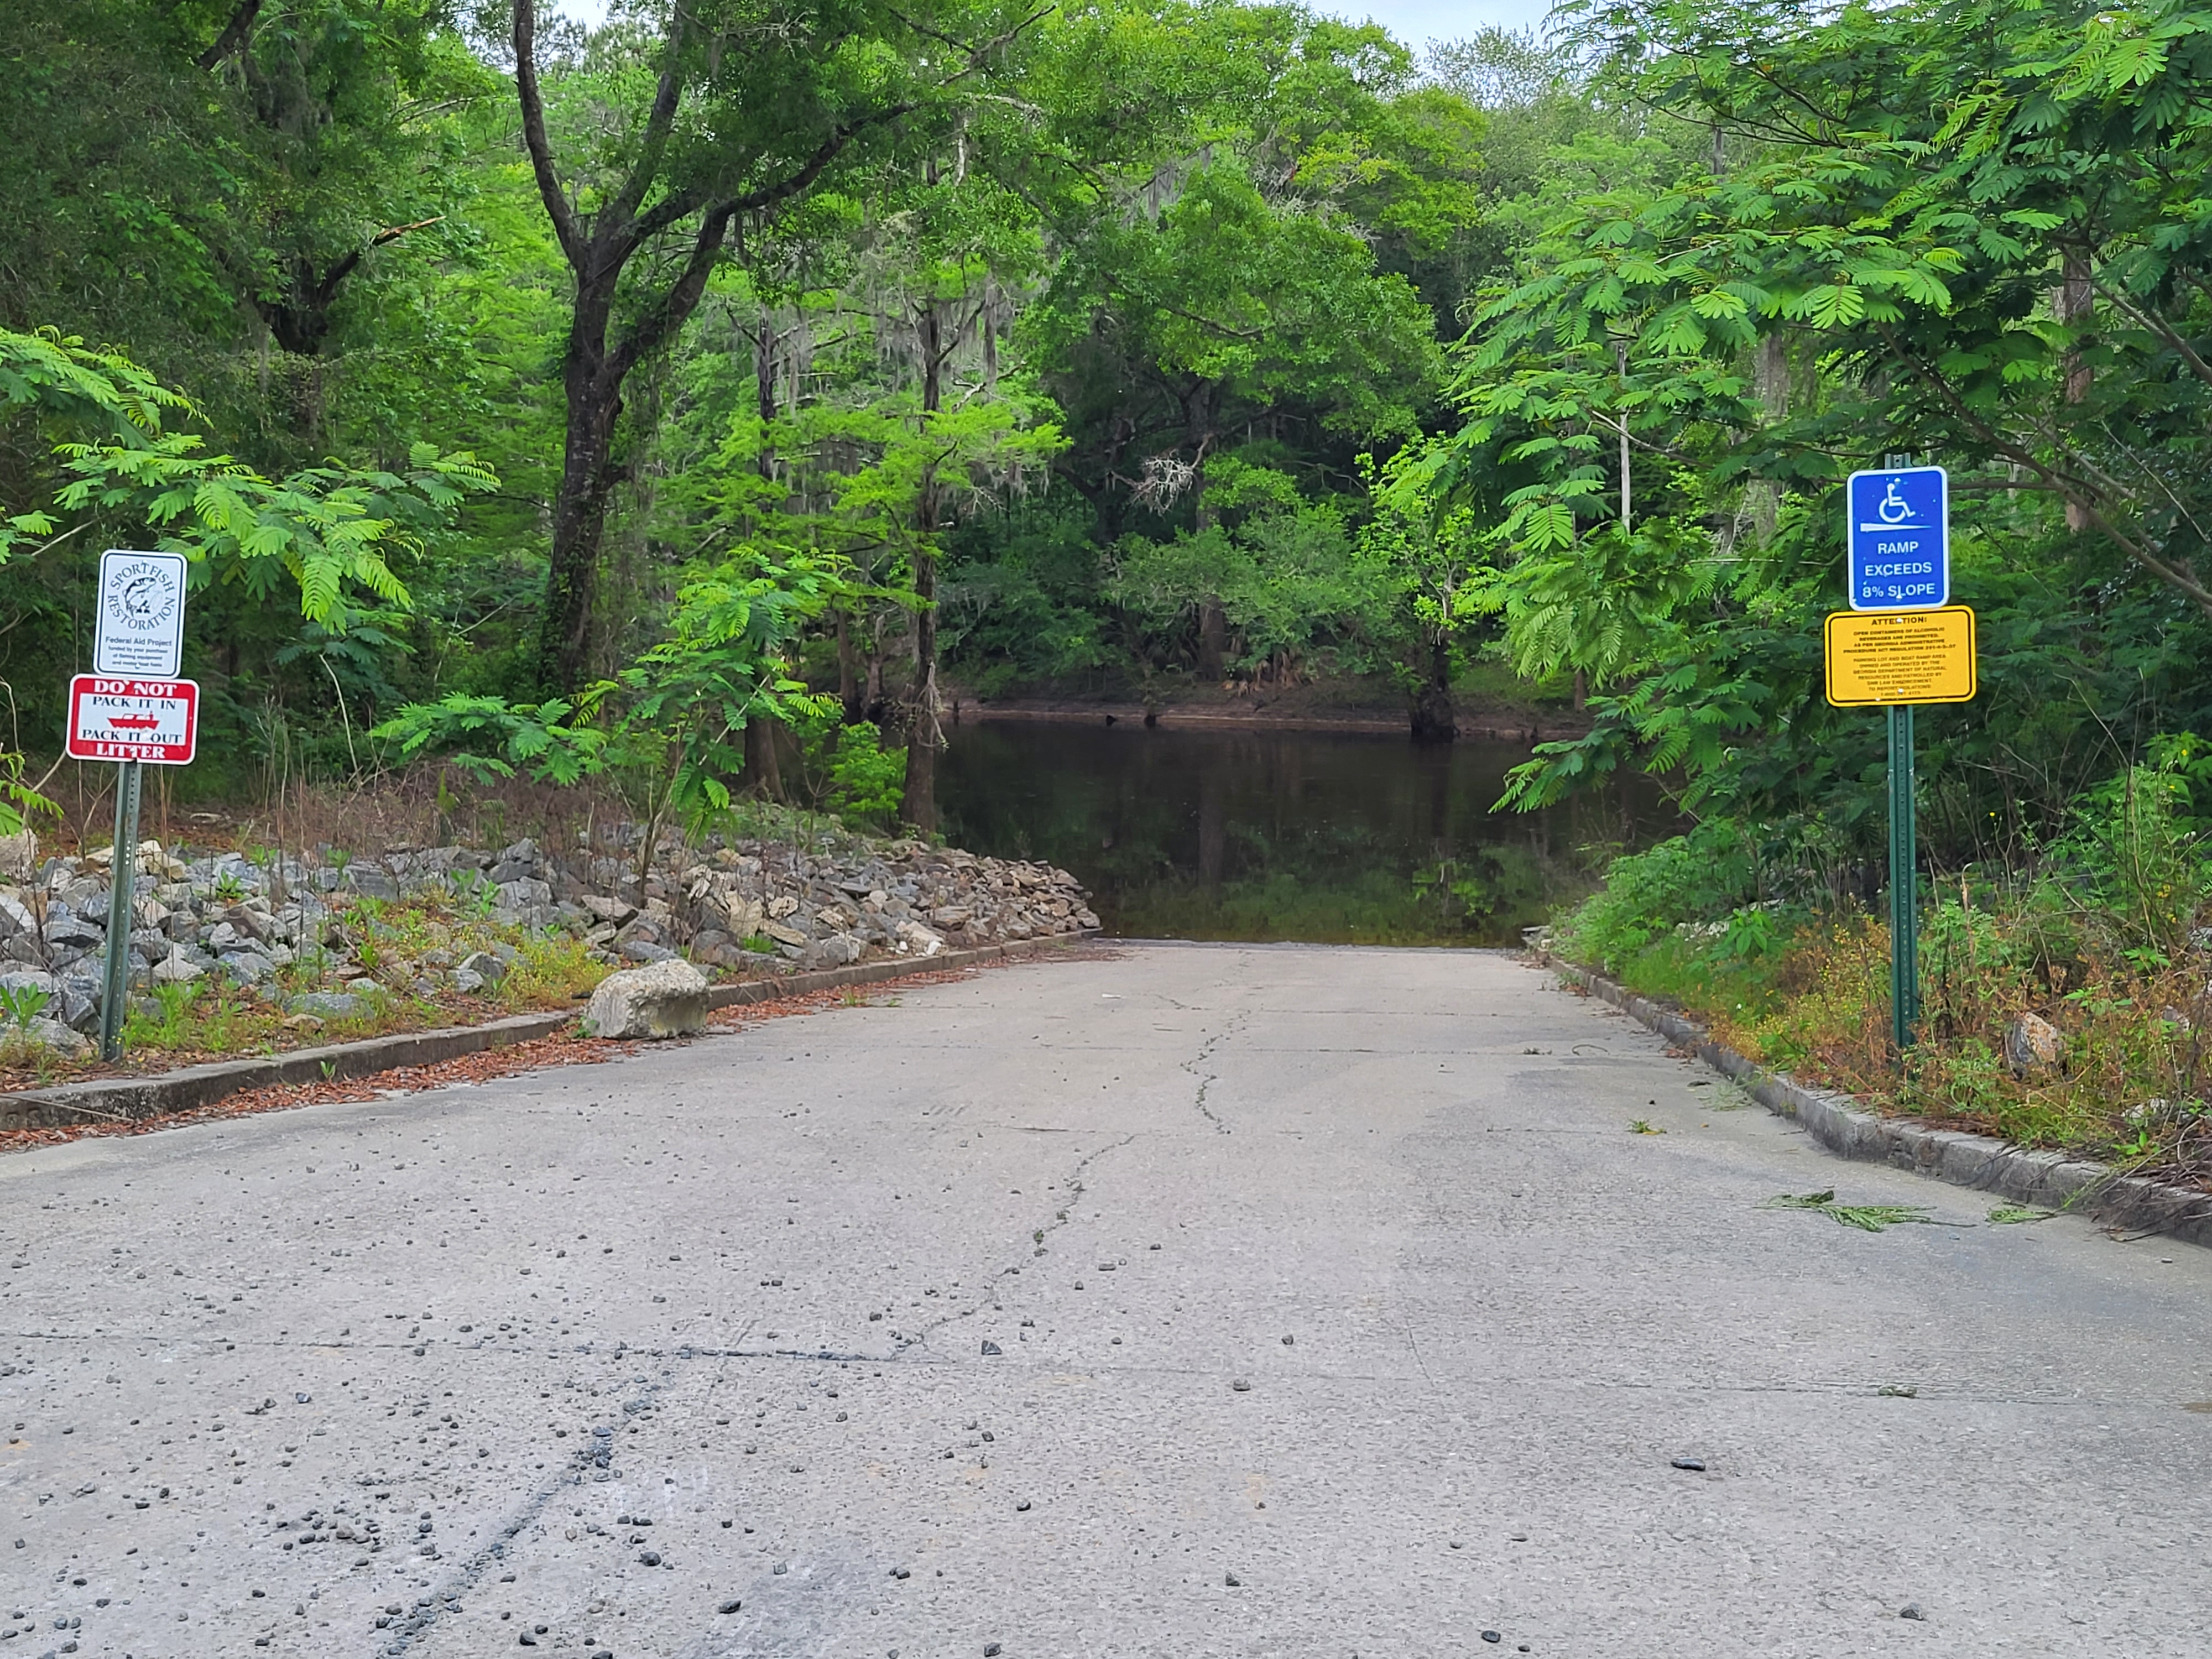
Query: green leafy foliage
(22, 1003)
(489, 737)
(1867, 1217)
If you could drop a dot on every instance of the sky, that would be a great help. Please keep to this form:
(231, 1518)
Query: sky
(1416, 23)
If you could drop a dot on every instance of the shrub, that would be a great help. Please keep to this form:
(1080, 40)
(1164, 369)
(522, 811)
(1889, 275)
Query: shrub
(1701, 877)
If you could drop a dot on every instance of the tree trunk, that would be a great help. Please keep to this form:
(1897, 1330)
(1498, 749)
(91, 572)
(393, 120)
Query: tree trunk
(923, 736)
(764, 777)
(848, 674)
(873, 705)
(1199, 417)
(599, 248)
(566, 631)
(2076, 297)
(1435, 719)
(1213, 827)
(1212, 638)
(764, 388)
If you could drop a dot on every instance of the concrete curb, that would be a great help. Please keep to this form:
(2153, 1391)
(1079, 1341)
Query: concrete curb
(2050, 1180)
(113, 1100)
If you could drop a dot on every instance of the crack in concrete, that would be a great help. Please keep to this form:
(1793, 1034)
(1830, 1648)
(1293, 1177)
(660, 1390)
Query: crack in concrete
(1205, 1054)
(422, 1620)
(1061, 1218)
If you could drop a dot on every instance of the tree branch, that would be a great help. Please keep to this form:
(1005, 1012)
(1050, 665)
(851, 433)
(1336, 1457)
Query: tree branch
(2090, 508)
(393, 232)
(665, 97)
(557, 209)
(1222, 329)
(657, 218)
(2159, 326)
(811, 168)
(666, 314)
(233, 36)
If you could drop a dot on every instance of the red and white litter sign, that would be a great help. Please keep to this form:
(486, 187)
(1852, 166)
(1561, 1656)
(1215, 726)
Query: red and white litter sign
(112, 718)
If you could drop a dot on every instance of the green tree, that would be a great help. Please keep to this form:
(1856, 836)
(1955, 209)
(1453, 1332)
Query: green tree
(746, 114)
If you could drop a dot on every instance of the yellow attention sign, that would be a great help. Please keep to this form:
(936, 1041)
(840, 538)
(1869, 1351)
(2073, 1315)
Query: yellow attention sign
(1876, 657)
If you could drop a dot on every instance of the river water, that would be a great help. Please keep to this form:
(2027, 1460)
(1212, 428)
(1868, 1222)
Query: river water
(1240, 834)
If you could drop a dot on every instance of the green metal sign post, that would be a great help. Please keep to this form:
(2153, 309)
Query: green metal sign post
(1902, 643)
(132, 709)
(1903, 882)
(122, 887)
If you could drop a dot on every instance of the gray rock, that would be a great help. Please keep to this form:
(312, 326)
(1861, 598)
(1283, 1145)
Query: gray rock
(526, 893)
(250, 921)
(668, 999)
(31, 979)
(638, 950)
(917, 939)
(15, 915)
(2034, 1045)
(45, 1033)
(176, 968)
(85, 898)
(488, 968)
(69, 932)
(718, 950)
(370, 882)
(613, 911)
(327, 1005)
(838, 951)
(81, 994)
(247, 966)
(640, 928)
(19, 855)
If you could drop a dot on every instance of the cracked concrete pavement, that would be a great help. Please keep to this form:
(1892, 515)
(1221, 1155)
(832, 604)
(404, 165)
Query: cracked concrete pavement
(1178, 1301)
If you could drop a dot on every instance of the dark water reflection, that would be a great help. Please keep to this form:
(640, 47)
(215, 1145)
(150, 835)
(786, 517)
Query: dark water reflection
(1352, 838)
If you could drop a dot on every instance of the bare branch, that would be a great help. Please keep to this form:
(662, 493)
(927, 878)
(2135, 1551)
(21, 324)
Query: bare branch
(654, 142)
(2090, 508)
(1222, 329)
(393, 232)
(232, 38)
(669, 312)
(2159, 326)
(533, 135)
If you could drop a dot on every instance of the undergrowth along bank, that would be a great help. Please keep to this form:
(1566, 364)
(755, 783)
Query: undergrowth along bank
(2065, 1005)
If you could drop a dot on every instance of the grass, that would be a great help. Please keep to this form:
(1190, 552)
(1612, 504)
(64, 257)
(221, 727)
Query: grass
(2135, 1086)
(1867, 1217)
(210, 1018)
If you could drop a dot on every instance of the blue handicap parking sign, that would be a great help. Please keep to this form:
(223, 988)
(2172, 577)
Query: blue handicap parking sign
(1900, 536)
